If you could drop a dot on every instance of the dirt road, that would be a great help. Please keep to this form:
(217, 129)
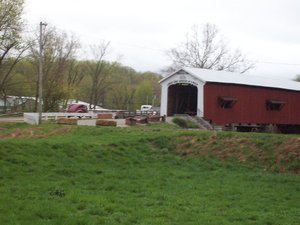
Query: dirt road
(11, 119)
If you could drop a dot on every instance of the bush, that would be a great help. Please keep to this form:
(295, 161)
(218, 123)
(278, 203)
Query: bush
(180, 122)
(191, 124)
(106, 123)
(184, 123)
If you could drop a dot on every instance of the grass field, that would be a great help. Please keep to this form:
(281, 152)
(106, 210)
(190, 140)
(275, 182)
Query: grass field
(152, 175)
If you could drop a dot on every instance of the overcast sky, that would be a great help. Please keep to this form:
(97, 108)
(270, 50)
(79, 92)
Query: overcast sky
(267, 31)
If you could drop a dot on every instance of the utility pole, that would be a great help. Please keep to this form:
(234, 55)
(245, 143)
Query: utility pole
(41, 72)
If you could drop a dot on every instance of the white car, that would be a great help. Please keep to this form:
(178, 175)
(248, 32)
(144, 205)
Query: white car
(146, 107)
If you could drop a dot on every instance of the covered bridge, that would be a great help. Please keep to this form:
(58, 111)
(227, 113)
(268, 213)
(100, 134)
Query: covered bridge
(227, 98)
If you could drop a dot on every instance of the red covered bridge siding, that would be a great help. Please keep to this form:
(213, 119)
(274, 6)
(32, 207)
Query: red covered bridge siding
(251, 105)
(231, 98)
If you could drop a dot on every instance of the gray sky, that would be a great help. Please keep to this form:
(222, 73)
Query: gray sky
(267, 31)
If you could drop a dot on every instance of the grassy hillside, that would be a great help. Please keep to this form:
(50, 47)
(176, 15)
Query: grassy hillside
(154, 174)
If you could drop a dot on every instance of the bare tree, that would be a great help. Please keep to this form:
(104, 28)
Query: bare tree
(297, 78)
(99, 70)
(59, 52)
(75, 74)
(208, 50)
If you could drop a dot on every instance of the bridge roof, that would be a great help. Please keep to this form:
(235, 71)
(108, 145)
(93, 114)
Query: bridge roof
(226, 77)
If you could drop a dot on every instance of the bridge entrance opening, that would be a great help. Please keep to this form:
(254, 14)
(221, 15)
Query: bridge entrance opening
(182, 99)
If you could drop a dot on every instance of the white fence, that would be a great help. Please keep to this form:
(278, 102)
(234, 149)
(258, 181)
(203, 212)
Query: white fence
(33, 118)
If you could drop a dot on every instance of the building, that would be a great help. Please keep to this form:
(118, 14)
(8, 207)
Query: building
(14, 104)
(227, 98)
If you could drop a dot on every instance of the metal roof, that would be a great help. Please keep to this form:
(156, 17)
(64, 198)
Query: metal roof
(206, 75)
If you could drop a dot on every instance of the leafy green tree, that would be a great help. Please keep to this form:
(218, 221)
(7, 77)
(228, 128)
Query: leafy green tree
(121, 94)
(144, 94)
(130, 89)
(11, 45)
(154, 78)
(23, 80)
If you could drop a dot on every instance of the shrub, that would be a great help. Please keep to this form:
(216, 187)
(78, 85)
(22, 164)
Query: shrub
(184, 123)
(180, 122)
(191, 124)
(109, 123)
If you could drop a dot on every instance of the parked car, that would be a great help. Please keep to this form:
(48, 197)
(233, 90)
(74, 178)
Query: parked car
(146, 108)
(77, 108)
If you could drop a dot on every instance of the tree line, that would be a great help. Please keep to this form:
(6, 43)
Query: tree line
(97, 80)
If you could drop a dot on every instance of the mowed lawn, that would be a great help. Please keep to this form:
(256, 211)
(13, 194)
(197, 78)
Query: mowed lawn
(152, 175)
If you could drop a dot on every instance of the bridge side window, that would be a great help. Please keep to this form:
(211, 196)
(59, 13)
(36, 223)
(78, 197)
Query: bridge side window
(226, 102)
(274, 105)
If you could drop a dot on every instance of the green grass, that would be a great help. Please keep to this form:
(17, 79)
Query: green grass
(139, 175)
